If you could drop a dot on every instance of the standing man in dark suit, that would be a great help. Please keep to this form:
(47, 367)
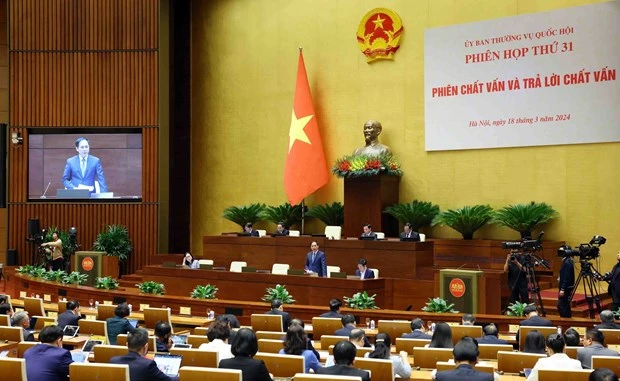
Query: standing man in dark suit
(140, 368)
(278, 309)
(250, 231)
(71, 316)
(517, 279)
(344, 357)
(565, 286)
(334, 309)
(82, 170)
(614, 284)
(409, 233)
(48, 361)
(316, 261)
(465, 355)
(363, 271)
(368, 231)
(491, 335)
(417, 330)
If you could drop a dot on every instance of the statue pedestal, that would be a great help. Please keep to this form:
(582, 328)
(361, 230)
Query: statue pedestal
(364, 201)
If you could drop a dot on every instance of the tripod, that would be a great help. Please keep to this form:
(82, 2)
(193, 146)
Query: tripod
(533, 289)
(588, 275)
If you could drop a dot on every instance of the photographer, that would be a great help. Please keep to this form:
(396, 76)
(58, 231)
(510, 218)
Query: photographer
(614, 284)
(565, 286)
(517, 280)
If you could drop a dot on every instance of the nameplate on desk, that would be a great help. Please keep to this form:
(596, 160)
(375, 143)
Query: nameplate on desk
(52, 314)
(580, 330)
(144, 306)
(185, 311)
(99, 338)
(47, 297)
(23, 294)
(513, 328)
(107, 302)
(91, 317)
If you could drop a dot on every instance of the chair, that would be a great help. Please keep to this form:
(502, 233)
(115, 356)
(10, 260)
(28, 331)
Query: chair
(272, 335)
(205, 262)
(332, 269)
(197, 340)
(5, 321)
(328, 340)
(489, 351)
(235, 266)
(261, 233)
(121, 340)
(154, 315)
(93, 327)
(43, 321)
(280, 268)
(376, 271)
(361, 352)
(24, 346)
(105, 311)
(197, 357)
(15, 334)
(562, 375)
(333, 232)
(192, 373)
(546, 331)
(201, 330)
(13, 369)
(103, 353)
(407, 345)
(381, 370)
(34, 306)
(428, 357)
(266, 322)
(380, 235)
(324, 326)
(323, 377)
(294, 233)
(514, 362)
(443, 366)
(612, 336)
(394, 328)
(282, 365)
(422, 237)
(99, 372)
(571, 352)
(610, 362)
(270, 346)
(460, 331)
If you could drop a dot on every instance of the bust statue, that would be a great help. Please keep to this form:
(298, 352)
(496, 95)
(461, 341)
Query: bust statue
(372, 130)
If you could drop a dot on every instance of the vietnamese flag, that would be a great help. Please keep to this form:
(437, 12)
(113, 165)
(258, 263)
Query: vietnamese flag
(305, 170)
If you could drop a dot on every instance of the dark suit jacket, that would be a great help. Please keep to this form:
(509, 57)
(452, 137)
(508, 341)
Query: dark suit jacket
(47, 363)
(319, 265)
(490, 339)
(417, 334)
(371, 234)
(286, 318)
(346, 331)
(28, 336)
(116, 326)
(412, 234)
(251, 370)
(72, 176)
(284, 232)
(585, 354)
(67, 318)
(368, 274)
(607, 326)
(463, 372)
(141, 368)
(536, 321)
(343, 370)
(331, 314)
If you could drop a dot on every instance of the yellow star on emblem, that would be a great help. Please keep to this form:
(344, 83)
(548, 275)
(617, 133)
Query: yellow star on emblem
(379, 22)
(296, 131)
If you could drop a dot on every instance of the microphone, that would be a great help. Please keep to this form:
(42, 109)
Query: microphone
(461, 266)
(48, 187)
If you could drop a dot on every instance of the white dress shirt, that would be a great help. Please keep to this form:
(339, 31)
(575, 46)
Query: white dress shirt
(558, 361)
(221, 347)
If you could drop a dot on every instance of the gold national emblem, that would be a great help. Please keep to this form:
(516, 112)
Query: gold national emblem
(378, 34)
(88, 263)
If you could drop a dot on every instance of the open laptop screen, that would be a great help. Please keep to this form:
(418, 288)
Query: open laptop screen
(133, 322)
(179, 339)
(70, 331)
(168, 364)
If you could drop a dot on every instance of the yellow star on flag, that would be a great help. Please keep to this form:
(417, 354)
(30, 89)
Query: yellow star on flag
(379, 22)
(296, 131)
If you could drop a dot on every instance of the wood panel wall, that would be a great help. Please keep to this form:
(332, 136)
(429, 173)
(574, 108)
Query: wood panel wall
(84, 64)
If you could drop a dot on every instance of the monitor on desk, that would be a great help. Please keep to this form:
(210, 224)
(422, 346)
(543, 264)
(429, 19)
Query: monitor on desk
(372, 238)
(409, 239)
(295, 272)
(248, 269)
(338, 274)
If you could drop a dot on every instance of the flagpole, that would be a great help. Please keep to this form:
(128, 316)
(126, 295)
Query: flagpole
(303, 214)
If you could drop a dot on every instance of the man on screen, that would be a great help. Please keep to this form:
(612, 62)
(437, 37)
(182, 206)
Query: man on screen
(83, 170)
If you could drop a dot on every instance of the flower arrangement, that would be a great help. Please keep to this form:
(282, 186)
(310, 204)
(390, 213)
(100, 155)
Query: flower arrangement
(363, 165)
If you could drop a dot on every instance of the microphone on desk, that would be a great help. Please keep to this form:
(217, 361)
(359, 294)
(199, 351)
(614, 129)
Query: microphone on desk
(461, 266)
(48, 187)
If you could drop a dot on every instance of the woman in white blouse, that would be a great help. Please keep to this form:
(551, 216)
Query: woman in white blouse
(218, 335)
(383, 346)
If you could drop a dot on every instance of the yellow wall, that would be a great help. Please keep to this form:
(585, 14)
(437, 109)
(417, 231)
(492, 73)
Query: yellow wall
(244, 61)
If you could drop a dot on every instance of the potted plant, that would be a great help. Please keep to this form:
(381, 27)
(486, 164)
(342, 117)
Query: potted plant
(465, 220)
(361, 301)
(439, 305)
(106, 283)
(330, 214)
(516, 308)
(33, 271)
(75, 278)
(241, 215)
(207, 291)
(114, 240)
(55, 276)
(417, 213)
(287, 214)
(524, 218)
(151, 287)
(352, 166)
(278, 292)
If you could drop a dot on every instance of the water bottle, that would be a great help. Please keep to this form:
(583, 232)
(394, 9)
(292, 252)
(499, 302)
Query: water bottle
(559, 330)
(372, 324)
(96, 304)
(129, 306)
(211, 314)
(432, 327)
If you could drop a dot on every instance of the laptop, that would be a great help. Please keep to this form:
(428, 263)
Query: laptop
(133, 322)
(179, 339)
(79, 356)
(182, 346)
(70, 331)
(168, 364)
(205, 267)
(90, 345)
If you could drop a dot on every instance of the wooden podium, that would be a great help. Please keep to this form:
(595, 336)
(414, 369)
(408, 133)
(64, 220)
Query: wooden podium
(364, 201)
(462, 288)
(95, 264)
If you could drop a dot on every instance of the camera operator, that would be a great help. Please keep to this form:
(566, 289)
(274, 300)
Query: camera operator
(614, 284)
(58, 261)
(565, 286)
(517, 279)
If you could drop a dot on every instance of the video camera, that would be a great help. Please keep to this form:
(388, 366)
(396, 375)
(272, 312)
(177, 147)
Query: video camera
(527, 244)
(37, 238)
(585, 251)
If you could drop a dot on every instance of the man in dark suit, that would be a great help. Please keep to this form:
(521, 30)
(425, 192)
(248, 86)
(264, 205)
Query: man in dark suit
(607, 320)
(248, 230)
(565, 286)
(334, 309)
(491, 335)
(280, 229)
(82, 170)
(344, 357)
(348, 325)
(417, 330)
(140, 368)
(368, 232)
(409, 233)
(533, 320)
(593, 345)
(278, 309)
(48, 361)
(465, 355)
(22, 320)
(71, 316)
(614, 284)
(363, 271)
(316, 261)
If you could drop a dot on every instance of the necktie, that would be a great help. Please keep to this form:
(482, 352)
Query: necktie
(83, 167)
(313, 255)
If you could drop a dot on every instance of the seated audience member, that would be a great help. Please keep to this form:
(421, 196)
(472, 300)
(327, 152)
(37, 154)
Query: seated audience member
(363, 271)
(308, 342)
(280, 229)
(571, 338)
(22, 320)
(344, 357)
(534, 342)
(140, 367)
(248, 229)
(409, 233)
(296, 343)
(357, 338)
(348, 325)
(218, 334)
(48, 361)
(5, 307)
(163, 333)
(244, 346)
(603, 374)
(232, 322)
(533, 320)
(491, 335)
(607, 320)
(468, 319)
(557, 358)
(368, 231)
(190, 261)
(593, 345)
(465, 355)
(71, 316)
(277, 308)
(417, 330)
(383, 346)
(334, 309)
(442, 337)
(119, 324)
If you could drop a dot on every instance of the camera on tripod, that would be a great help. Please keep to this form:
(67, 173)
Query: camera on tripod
(585, 251)
(37, 238)
(526, 244)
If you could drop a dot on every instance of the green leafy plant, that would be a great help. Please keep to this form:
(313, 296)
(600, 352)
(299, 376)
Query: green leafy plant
(524, 217)
(417, 213)
(330, 214)
(151, 287)
(516, 308)
(361, 301)
(55, 276)
(241, 215)
(75, 278)
(364, 166)
(204, 292)
(25, 269)
(278, 292)
(286, 213)
(439, 305)
(114, 240)
(617, 313)
(106, 283)
(465, 220)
